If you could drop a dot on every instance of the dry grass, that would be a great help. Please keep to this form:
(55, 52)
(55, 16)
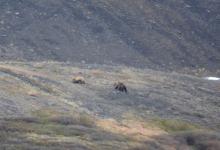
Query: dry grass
(74, 118)
(97, 73)
(15, 87)
(133, 129)
(51, 126)
(173, 125)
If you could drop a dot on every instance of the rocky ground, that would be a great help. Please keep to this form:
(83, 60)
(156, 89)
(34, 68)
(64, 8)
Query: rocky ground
(170, 34)
(41, 108)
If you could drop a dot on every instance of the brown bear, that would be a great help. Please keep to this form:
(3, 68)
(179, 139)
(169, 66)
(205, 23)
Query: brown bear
(120, 87)
(78, 80)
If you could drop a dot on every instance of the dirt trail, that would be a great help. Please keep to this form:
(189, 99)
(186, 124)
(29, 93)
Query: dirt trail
(27, 76)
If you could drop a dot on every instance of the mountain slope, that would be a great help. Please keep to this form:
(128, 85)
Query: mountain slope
(168, 34)
(40, 108)
(150, 93)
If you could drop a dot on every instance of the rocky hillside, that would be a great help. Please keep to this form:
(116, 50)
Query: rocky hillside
(169, 34)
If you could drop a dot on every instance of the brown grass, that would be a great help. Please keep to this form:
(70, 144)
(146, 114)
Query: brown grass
(133, 129)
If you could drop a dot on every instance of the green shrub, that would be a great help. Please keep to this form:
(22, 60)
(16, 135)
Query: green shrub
(172, 125)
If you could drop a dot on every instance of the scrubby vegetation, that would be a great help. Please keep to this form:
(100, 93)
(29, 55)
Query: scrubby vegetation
(43, 109)
(174, 125)
(50, 129)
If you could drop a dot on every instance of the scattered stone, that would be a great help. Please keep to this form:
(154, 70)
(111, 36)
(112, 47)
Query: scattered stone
(79, 80)
(120, 87)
